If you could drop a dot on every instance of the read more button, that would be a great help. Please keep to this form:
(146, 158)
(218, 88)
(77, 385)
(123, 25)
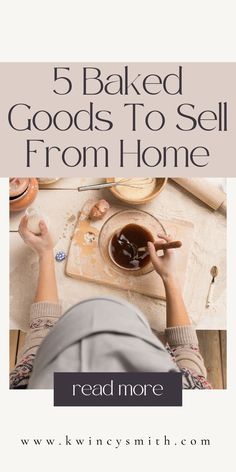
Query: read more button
(117, 389)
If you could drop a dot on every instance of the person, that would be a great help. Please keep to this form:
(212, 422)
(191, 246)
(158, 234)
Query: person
(104, 334)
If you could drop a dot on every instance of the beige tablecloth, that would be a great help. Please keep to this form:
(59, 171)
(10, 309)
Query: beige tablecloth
(61, 204)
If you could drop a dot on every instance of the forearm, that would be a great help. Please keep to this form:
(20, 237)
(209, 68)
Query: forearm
(176, 312)
(47, 285)
(183, 343)
(181, 336)
(43, 316)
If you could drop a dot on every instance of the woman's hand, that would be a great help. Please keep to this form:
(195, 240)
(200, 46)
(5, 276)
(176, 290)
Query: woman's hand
(166, 265)
(42, 244)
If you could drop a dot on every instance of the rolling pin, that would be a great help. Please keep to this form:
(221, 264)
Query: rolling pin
(204, 191)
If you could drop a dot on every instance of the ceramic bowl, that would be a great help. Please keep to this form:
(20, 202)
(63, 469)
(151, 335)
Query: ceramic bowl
(25, 199)
(159, 186)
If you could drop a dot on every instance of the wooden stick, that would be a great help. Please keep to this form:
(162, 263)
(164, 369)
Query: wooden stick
(163, 246)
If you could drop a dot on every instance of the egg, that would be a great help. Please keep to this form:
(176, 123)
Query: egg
(99, 210)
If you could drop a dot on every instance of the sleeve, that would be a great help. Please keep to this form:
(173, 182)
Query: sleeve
(183, 343)
(43, 316)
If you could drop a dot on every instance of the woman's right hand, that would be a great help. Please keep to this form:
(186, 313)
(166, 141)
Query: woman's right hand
(165, 265)
(42, 244)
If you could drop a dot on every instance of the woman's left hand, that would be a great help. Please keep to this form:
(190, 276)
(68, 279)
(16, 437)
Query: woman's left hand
(41, 244)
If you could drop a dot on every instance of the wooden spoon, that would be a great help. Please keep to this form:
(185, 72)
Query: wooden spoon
(163, 246)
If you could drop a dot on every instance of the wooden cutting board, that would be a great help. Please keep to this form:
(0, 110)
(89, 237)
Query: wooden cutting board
(85, 261)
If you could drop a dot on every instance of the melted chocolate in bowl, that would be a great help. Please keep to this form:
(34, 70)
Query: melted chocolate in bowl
(125, 247)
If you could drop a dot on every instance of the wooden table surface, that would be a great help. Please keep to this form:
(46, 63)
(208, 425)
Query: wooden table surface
(61, 202)
(212, 345)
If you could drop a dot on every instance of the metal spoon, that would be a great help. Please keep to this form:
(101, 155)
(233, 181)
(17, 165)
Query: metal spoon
(105, 185)
(214, 272)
